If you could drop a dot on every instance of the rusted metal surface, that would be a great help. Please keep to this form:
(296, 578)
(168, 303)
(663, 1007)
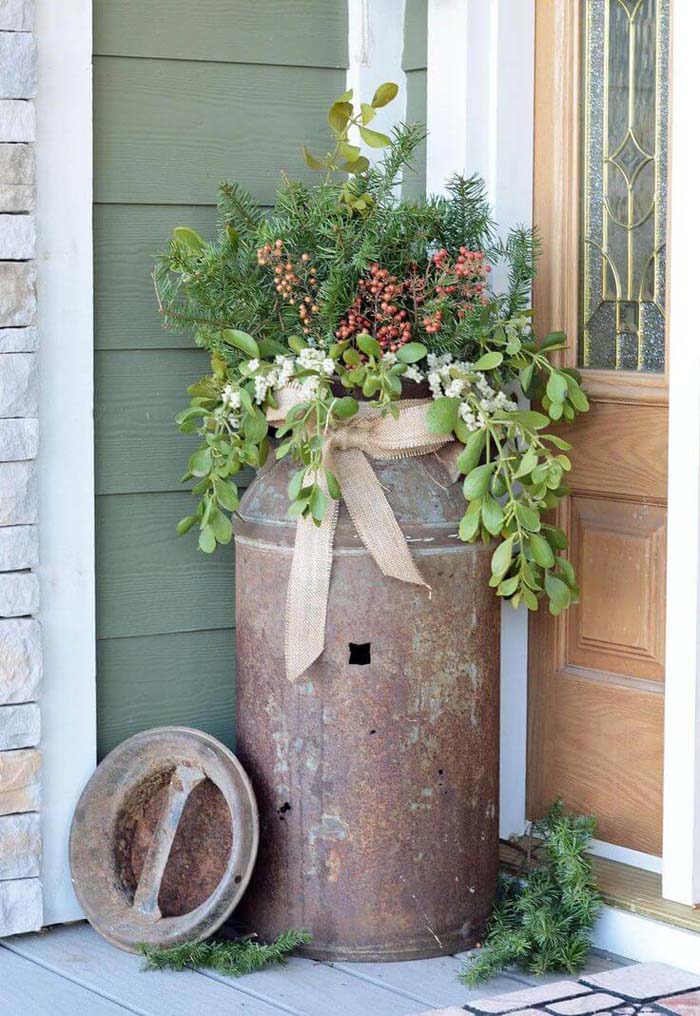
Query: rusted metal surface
(164, 839)
(377, 782)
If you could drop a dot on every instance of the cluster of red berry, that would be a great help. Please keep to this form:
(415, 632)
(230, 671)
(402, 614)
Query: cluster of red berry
(296, 283)
(376, 311)
(433, 322)
(465, 277)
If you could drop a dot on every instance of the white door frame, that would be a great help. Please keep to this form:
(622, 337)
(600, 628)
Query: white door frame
(681, 869)
(480, 118)
(66, 453)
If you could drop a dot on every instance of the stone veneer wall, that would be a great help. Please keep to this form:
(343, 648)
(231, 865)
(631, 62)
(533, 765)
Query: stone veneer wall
(20, 642)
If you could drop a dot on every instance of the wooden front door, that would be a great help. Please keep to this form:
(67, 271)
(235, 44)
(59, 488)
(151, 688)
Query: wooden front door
(596, 694)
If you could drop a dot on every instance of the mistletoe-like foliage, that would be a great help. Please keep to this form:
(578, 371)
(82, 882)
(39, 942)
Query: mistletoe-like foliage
(232, 958)
(543, 918)
(345, 291)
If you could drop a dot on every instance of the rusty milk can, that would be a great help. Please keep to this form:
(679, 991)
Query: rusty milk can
(376, 774)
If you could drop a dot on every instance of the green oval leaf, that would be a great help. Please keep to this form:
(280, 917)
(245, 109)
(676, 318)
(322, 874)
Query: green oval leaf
(557, 387)
(333, 485)
(492, 514)
(189, 238)
(268, 348)
(527, 463)
(369, 346)
(502, 556)
(558, 592)
(541, 551)
(385, 94)
(241, 340)
(317, 503)
(471, 453)
(226, 494)
(553, 340)
(296, 343)
(368, 113)
(508, 586)
(476, 483)
(221, 527)
(528, 517)
(200, 463)
(184, 525)
(360, 165)
(488, 361)
(207, 540)
(345, 407)
(442, 415)
(338, 116)
(311, 161)
(374, 139)
(469, 523)
(412, 352)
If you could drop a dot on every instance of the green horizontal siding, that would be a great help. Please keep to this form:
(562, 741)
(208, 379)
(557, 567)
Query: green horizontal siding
(305, 33)
(167, 131)
(150, 579)
(137, 395)
(126, 240)
(186, 94)
(184, 678)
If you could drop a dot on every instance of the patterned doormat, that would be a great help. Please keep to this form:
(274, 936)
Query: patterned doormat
(643, 988)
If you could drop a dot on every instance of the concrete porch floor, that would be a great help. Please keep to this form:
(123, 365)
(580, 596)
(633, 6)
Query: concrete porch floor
(71, 971)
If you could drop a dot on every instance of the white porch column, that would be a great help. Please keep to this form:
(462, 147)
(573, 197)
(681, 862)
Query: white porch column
(681, 841)
(480, 119)
(375, 48)
(66, 470)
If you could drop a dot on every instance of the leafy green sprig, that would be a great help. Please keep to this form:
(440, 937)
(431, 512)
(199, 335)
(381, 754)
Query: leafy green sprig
(514, 469)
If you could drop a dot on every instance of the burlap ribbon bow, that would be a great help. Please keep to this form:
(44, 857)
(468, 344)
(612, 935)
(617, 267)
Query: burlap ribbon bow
(345, 450)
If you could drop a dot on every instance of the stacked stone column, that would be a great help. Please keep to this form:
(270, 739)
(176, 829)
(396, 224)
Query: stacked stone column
(20, 641)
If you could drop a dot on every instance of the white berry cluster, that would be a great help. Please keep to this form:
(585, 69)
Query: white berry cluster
(457, 379)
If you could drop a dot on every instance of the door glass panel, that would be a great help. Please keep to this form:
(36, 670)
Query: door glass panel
(624, 177)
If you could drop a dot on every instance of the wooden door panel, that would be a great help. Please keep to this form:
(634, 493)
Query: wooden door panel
(603, 753)
(620, 449)
(619, 552)
(595, 708)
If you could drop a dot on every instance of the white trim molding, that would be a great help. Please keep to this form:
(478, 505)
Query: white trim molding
(481, 67)
(681, 836)
(66, 474)
(641, 939)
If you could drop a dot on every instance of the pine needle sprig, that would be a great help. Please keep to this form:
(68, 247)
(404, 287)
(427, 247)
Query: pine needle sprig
(383, 178)
(234, 958)
(238, 208)
(543, 917)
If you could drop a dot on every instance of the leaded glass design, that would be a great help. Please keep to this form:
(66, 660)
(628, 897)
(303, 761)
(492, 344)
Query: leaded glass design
(625, 139)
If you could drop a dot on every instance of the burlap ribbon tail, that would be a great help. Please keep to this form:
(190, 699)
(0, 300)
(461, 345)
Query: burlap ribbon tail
(345, 452)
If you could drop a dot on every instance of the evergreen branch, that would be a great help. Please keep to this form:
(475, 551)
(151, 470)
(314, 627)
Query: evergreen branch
(382, 179)
(233, 958)
(238, 207)
(543, 921)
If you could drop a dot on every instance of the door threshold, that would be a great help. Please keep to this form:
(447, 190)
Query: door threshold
(627, 888)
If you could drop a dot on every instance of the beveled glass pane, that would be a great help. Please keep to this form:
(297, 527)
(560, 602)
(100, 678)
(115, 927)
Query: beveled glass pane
(625, 136)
